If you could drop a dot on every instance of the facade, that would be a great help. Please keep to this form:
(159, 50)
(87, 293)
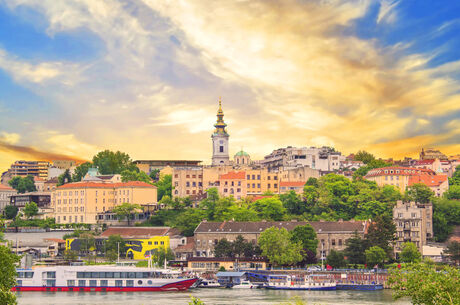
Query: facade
(330, 234)
(296, 186)
(42, 199)
(396, 176)
(431, 153)
(299, 174)
(64, 164)
(233, 184)
(29, 168)
(437, 183)
(220, 154)
(50, 184)
(5, 193)
(260, 181)
(147, 166)
(413, 224)
(54, 172)
(188, 182)
(82, 201)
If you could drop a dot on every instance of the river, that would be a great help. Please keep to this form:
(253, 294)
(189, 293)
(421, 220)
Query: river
(211, 296)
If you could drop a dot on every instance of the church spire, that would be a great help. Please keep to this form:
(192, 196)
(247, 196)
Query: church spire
(220, 124)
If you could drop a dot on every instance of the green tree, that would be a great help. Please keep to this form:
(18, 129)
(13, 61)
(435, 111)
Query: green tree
(70, 255)
(188, 220)
(87, 244)
(312, 182)
(455, 179)
(64, 178)
(132, 175)
(23, 185)
(410, 253)
(382, 233)
(453, 251)
(375, 256)
(306, 236)
(355, 249)
(109, 162)
(115, 243)
(164, 186)
(446, 215)
(8, 262)
(419, 192)
(80, 171)
(223, 248)
(11, 211)
(453, 192)
(111, 255)
(162, 254)
(269, 208)
(155, 174)
(30, 210)
(277, 247)
(425, 285)
(336, 259)
(292, 202)
(127, 210)
(364, 156)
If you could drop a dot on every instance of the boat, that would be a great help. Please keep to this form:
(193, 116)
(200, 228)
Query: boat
(100, 278)
(288, 282)
(244, 284)
(356, 286)
(209, 284)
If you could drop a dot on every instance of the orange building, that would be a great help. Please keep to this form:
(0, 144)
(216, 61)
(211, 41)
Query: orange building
(437, 183)
(233, 184)
(397, 176)
(82, 201)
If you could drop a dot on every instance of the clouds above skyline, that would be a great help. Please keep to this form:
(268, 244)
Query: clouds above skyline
(144, 77)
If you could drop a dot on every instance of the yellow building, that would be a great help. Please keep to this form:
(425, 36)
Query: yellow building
(400, 177)
(259, 181)
(80, 202)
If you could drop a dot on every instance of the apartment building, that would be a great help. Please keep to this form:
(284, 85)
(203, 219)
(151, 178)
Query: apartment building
(396, 176)
(5, 193)
(260, 181)
(233, 184)
(29, 168)
(82, 201)
(413, 224)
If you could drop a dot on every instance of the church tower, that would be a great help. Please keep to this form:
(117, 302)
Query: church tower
(220, 140)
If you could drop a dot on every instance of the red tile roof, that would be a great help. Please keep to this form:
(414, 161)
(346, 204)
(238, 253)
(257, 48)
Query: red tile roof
(403, 171)
(188, 247)
(261, 197)
(425, 162)
(233, 175)
(293, 184)
(6, 188)
(136, 232)
(105, 185)
(428, 180)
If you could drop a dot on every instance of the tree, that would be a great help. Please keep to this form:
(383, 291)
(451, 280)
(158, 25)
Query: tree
(30, 210)
(70, 255)
(88, 243)
(446, 215)
(455, 179)
(453, 192)
(453, 251)
(64, 178)
(425, 285)
(410, 253)
(306, 236)
(22, 185)
(375, 256)
(336, 259)
(115, 243)
(111, 255)
(8, 262)
(188, 220)
(382, 233)
(11, 211)
(127, 210)
(364, 156)
(270, 208)
(132, 175)
(292, 202)
(162, 254)
(355, 249)
(154, 174)
(277, 247)
(109, 162)
(419, 192)
(164, 186)
(223, 248)
(312, 182)
(80, 171)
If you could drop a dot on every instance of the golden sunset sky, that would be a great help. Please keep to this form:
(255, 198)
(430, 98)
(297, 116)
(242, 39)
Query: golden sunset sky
(145, 76)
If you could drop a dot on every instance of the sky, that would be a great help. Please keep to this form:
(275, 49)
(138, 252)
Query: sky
(145, 76)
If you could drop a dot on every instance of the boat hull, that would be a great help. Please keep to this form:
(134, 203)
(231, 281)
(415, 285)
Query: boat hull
(359, 287)
(176, 286)
(300, 288)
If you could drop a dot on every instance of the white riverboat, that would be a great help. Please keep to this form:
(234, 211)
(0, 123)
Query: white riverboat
(100, 278)
(288, 282)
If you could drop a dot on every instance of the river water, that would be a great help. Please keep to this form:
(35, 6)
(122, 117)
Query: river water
(211, 296)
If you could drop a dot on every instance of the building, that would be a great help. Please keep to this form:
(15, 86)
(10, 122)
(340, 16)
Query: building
(302, 173)
(241, 158)
(82, 201)
(330, 234)
(42, 199)
(296, 186)
(260, 181)
(29, 168)
(431, 153)
(437, 183)
(396, 176)
(5, 193)
(206, 264)
(233, 184)
(39, 184)
(50, 184)
(54, 172)
(220, 154)
(413, 224)
(64, 164)
(147, 166)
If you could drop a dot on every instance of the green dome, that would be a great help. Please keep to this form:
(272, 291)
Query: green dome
(242, 153)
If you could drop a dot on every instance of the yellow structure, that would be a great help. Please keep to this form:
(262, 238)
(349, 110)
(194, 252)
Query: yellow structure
(80, 202)
(136, 248)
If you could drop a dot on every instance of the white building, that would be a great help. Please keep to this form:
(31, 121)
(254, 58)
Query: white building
(220, 155)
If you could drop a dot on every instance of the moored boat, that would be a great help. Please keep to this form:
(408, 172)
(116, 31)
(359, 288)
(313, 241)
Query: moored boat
(209, 284)
(100, 278)
(288, 282)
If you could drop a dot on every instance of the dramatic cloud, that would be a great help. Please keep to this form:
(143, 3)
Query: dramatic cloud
(290, 73)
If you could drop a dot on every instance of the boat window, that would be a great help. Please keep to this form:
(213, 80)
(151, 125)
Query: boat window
(139, 282)
(118, 283)
(29, 275)
(116, 275)
(129, 283)
(131, 275)
(149, 282)
(104, 283)
(124, 275)
(94, 274)
(139, 275)
(93, 283)
(87, 274)
(80, 275)
(82, 283)
(145, 275)
(109, 275)
(51, 274)
(50, 283)
(20, 275)
(70, 283)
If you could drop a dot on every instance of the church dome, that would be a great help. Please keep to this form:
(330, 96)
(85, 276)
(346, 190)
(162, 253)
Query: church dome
(241, 153)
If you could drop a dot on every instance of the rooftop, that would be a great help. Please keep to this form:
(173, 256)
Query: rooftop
(398, 171)
(233, 175)
(136, 232)
(105, 185)
(242, 153)
(292, 183)
(429, 180)
(6, 188)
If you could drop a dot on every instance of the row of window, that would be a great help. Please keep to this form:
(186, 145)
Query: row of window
(76, 209)
(118, 275)
(253, 177)
(27, 275)
(82, 193)
(75, 219)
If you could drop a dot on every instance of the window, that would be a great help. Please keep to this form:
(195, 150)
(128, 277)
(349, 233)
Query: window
(119, 283)
(249, 185)
(104, 283)
(221, 149)
(248, 177)
(93, 283)
(340, 242)
(275, 185)
(253, 177)
(269, 185)
(275, 178)
(129, 283)
(258, 177)
(333, 242)
(258, 185)
(82, 283)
